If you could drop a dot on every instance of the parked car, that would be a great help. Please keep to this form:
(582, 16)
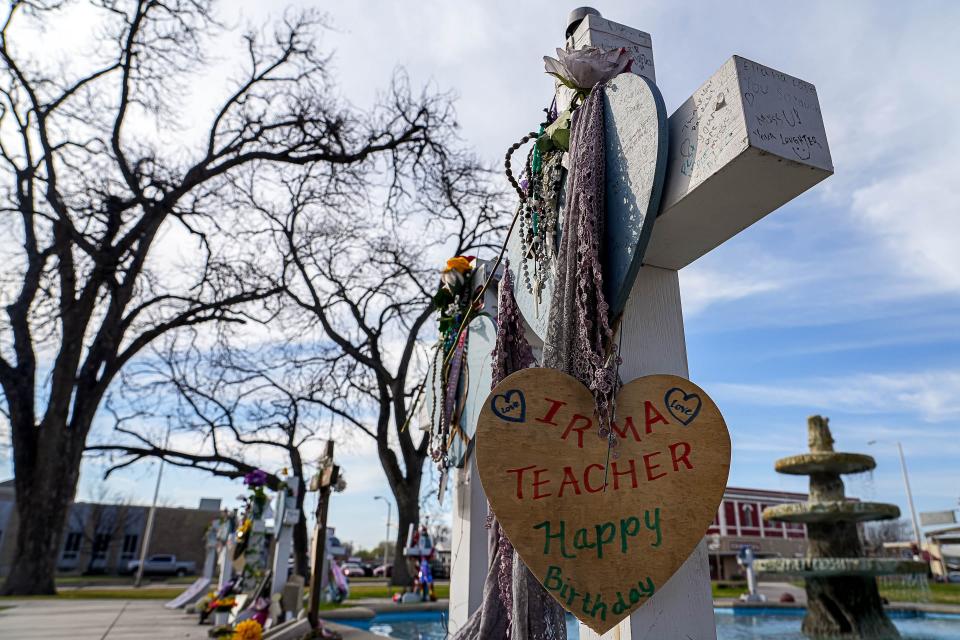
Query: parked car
(368, 568)
(163, 565)
(352, 570)
(383, 571)
(953, 576)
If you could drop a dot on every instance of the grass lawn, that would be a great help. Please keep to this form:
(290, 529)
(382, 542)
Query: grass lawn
(726, 591)
(945, 593)
(939, 594)
(150, 581)
(357, 591)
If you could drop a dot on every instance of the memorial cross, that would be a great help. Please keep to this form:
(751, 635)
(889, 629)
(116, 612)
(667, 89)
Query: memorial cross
(228, 537)
(210, 549)
(750, 139)
(286, 516)
(324, 484)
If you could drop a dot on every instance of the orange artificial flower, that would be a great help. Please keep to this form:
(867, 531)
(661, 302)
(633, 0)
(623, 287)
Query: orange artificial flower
(460, 263)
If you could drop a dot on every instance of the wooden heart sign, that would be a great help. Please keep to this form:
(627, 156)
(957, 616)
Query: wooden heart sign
(602, 534)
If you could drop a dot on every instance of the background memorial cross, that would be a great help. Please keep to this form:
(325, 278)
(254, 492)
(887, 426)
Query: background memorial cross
(748, 140)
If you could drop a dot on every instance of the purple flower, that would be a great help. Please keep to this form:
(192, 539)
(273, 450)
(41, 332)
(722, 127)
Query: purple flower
(256, 478)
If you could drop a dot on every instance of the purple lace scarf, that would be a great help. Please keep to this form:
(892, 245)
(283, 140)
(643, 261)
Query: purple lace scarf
(579, 338)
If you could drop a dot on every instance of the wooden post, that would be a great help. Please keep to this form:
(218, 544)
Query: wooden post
(469, 557)
(327, 481)
(469, 554)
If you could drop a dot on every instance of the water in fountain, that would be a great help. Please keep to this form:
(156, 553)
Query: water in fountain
(843, 600)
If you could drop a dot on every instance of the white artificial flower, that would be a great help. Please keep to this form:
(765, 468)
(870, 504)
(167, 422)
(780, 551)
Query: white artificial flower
(451, 278)
(583, 68)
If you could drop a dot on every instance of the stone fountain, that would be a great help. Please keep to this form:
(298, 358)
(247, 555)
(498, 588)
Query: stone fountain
(842, 596)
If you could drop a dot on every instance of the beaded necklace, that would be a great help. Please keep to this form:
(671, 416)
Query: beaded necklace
(539, 219)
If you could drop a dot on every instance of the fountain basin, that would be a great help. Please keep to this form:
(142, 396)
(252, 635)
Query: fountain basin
(806, 464)
(831, 511)
(840, 566)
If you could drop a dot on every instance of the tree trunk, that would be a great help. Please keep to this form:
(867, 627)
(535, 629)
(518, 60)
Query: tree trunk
(301, 543)
(44, 491)
(408, 506)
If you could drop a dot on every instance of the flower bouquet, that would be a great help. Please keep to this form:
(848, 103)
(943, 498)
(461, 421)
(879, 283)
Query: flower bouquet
(216, 602)
(256, 480)
(248, 630)
(223, 604)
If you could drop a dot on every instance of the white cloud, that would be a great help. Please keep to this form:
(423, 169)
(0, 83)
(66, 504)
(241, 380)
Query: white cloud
(915, 214)
(934, 396)
(701, 287)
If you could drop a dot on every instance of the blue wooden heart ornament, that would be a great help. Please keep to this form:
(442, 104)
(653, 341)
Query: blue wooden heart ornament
(682, 405)
(510, 406)
(636, 130)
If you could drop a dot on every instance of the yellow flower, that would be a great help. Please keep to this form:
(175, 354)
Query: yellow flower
(460, 263)
(248, 630)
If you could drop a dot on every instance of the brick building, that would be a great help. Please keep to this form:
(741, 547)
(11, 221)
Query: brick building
(738, 524)
(102, 538)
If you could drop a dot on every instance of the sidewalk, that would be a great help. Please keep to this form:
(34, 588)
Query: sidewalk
(41, 619)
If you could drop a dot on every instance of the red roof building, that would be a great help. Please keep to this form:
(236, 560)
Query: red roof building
(739, 524)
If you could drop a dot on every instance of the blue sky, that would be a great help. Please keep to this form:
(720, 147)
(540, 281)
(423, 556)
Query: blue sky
(844, 302)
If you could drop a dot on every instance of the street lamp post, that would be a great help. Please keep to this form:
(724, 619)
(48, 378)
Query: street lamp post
(906, 485)
(913, 511)
(386, 546)
(148, 530)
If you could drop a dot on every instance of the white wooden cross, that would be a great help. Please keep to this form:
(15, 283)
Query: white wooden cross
(747, 141)
(210, 549)
(229, 540)
(286, 516)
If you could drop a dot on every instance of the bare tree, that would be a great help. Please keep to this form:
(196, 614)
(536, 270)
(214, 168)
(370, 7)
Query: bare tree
(876, 534)
(232, 405)
(365, 284)
(88, 197)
